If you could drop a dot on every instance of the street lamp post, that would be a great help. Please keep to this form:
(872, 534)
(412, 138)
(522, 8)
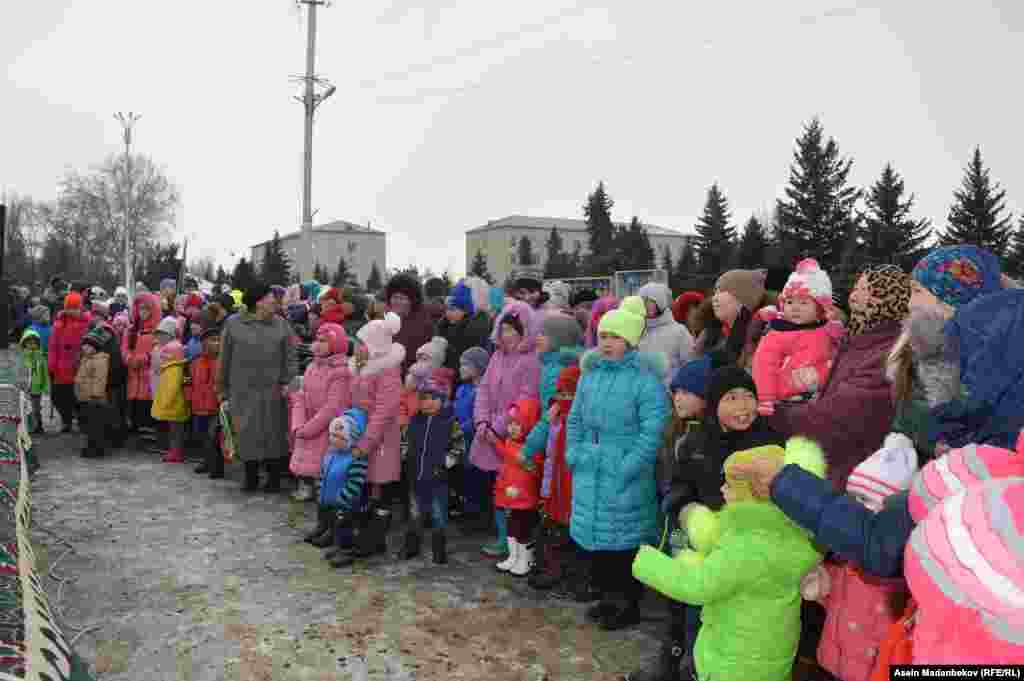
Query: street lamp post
(127, 123)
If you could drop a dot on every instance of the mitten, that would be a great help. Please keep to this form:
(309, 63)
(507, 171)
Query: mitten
(816, 584)
(702, 526)
(766, 407)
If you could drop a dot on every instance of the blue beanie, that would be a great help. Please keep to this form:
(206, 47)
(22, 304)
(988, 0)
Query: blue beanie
(693, 377)
(461, 298)
(956, 275)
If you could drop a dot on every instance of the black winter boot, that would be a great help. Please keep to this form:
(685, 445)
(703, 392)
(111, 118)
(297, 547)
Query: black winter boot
(322, 524)
(344, 524)
(203, 467)
(214, 462)
(411, 549)
(252, 476)
(439, 543)
(274, 470)
(374, 539)
(552, 572)
(666, 667)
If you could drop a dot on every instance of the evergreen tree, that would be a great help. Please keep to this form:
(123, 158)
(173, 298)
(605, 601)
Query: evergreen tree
(221, 277)
(576, 259)
(888, 233)
(636, 252)
(241, 278)
(525, 254)
(320, 273)
(753, 245)
(976, 216)
(478, 268)
(601, 231)
(814, 219)
(686, 264)
(275, 269)
(666, 260)
(161, 262)
(374, 282)
(343, 276)
(556, 265)
(715, 236)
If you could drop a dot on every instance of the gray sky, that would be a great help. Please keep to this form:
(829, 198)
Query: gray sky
(448, 114)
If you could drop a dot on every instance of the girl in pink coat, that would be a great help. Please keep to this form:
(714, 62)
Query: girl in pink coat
(326, 392)
(513, 374)
(377, 389)
(801, 338)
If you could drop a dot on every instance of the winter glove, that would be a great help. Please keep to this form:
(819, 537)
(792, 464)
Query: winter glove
(816, 584)
(766, 407)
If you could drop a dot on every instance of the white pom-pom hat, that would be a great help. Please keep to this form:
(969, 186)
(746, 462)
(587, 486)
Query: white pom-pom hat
(808, 279)
(378, 334)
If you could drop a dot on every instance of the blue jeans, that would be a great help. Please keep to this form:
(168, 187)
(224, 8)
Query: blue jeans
(435, 496)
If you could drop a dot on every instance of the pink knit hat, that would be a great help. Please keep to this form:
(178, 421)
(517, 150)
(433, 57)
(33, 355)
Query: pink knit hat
(964, 565)
(958, 470)
(378, 335)
(808, 279)
(887, 471)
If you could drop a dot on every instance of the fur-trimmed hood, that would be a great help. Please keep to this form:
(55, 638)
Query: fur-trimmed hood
(525, 313)
(654, 363)
(375, 365)
(935, 363)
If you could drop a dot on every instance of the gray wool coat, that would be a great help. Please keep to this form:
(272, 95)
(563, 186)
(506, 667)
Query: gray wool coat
(255, 362)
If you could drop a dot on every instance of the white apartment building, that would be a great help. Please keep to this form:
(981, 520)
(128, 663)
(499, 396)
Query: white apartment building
(360, 246)
(498, 240)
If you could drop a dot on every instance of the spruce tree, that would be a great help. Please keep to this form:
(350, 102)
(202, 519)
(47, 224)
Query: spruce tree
(888, 233)
(525, 252)
(814, 218)
(343, 276)
(715, 236)
(1015, 251)
(221, 277)
(374, 282)
(601, 231)
(555, 264)
(276, 268)
(666, 260)
(242, 277)
(637, 252)
(479, 267)
(753, 245)
(686, 264)
(977, 215)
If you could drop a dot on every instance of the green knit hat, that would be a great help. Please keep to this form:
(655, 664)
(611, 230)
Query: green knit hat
(626, 322)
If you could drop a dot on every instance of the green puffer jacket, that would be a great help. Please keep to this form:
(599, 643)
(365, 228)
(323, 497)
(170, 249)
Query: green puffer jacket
(749, 587)
(33, 372)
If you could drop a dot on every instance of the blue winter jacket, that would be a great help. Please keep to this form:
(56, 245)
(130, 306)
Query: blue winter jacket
(985, 335)
(875, 541)
(614, 430)
(44, 334)
(551, 364)
(465, 399)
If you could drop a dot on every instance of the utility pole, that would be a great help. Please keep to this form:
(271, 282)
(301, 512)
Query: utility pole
(310, 101)
(127, 122)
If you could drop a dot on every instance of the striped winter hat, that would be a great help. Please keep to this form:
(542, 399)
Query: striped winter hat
(964, 565)
(958, 470)
(887, 471)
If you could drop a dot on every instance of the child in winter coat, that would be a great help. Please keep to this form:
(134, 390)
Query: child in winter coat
(342, 482)
(512, 374)
(40, 316)
(663, 333)
(429, 357)
(92, 390)
(33, 376)
(169, 404)
(65, 347)
(137, 349)
(517, 489)
(326, 391)
(476, 493)
(802, 338)
(860, 608)
(201, 393)
(745, 571)
(556, 491)
(433, 444)
(614, 431)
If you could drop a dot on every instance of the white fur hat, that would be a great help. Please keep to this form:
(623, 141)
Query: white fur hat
(808, 279)
(435, 351)
(378, 334)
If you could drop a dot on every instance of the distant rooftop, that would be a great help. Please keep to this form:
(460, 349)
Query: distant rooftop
(336, 227)
(565, 224)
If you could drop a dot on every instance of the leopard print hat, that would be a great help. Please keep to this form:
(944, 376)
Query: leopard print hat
(890, 291)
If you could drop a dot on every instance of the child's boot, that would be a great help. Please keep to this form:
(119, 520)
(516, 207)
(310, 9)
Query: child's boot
(174, 455)
(514, 547)
(273, 483)
(374, 539)
(440, 546)
(214, 461)
(342, 534)
(552, 572)
(252, 476)
(524, 561)
(412, 544)
(501, 546)
(322, 524)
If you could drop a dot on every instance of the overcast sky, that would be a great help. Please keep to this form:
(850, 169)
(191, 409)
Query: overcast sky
(448, 114)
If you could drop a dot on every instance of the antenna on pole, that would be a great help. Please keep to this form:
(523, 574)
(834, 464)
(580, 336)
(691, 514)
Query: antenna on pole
(127, 121)
(310, 100)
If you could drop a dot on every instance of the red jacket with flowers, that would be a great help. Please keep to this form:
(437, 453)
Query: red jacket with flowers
(65, 347)
(518, 488)
(202, 392)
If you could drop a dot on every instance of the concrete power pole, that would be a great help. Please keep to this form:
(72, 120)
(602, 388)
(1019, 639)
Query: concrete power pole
(310, 101)
(127, 123)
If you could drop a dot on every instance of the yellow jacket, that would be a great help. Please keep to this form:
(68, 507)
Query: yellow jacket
(169, 403)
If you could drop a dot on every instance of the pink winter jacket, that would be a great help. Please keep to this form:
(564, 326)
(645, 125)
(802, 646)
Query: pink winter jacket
(861, 608)
(377, 389)
(510, 376)
(326, 392)
(137, 346)
(65, 346)
(787, 347)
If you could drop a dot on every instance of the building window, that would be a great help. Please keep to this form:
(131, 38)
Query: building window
(352, 245)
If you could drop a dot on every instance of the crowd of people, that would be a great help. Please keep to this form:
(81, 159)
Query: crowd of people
(816, 492)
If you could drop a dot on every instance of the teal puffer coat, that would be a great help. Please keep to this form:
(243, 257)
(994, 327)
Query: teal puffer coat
(551, 364)
(614, 431)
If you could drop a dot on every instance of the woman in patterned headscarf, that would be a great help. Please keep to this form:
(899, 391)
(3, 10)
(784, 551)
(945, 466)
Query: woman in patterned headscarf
(854, 408)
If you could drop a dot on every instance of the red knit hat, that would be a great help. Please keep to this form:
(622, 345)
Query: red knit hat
(568, 379)
(681, 306)
(73, 301)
